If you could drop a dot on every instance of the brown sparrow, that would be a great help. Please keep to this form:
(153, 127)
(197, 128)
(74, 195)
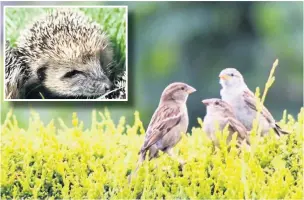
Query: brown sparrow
(168, 122)
(221, 112)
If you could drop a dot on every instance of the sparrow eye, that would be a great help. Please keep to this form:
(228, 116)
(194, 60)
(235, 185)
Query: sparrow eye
(72, 73)
(231, 74)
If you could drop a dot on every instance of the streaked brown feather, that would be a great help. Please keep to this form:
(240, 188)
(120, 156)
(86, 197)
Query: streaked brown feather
(251, 102)
(237, 126)
(164, 119)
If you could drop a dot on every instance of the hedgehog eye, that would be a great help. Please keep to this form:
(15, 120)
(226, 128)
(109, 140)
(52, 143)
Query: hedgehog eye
(183, 88)
(72, 73)
(217, 103)
(231, 74)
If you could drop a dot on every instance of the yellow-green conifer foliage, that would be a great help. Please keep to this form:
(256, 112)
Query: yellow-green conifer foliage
(45, 160)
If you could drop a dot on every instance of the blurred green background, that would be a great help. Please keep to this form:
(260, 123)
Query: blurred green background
(192, 42)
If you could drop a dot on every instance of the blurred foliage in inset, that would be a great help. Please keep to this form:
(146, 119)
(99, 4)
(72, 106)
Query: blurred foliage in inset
(69, 161)
(193, 42)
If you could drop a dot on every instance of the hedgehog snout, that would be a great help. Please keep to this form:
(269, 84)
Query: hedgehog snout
(108, 85)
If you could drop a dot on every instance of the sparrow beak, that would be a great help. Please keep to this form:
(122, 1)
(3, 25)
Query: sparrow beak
(206, 102)
(190, 90)
(224, 77)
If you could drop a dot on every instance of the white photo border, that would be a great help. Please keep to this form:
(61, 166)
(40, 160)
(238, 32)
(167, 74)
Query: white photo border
(67, 6)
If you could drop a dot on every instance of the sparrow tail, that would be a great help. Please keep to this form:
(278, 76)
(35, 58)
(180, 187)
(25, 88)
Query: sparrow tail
(279, 130)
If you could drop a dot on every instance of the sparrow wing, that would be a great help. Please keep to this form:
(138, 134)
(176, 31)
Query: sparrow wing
(251, 102)
(164, 119)
(237, 126)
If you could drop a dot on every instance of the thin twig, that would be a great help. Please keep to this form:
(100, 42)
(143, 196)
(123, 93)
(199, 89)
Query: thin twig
(103, 96)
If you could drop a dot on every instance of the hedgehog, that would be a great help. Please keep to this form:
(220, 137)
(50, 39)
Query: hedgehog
(63, 54)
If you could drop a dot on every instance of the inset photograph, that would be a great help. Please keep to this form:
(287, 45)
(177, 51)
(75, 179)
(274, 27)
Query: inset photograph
(65, 53)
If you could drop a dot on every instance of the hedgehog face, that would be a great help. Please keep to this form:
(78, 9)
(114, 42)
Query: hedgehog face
(74, 79)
